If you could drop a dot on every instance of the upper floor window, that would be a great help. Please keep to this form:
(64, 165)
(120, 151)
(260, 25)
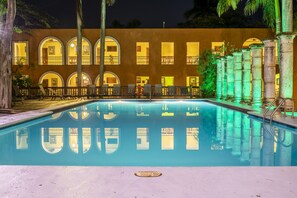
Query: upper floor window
(167, 53)
(192, 53)
(111, 52)
(142, 53)
(218, 48)
(20, 53)
(50, 52)
(72, 52)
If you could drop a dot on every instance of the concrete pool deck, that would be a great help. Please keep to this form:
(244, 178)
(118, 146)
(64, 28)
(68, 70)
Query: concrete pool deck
(120, 182)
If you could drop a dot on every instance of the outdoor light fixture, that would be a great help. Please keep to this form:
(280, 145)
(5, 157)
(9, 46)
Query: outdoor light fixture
(71, 45)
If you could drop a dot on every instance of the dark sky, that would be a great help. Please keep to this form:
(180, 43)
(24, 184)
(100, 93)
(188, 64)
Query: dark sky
(151, 13)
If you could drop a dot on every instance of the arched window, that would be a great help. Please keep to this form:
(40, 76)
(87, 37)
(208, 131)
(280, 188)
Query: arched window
(72, 80)
(251, 41)
(112, 51)
(51, 79)
(72, 52)
(109, 79)
(50, 52)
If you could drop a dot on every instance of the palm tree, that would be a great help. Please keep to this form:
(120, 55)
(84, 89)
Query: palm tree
(7, 16)
(102, 37)
(79, 22)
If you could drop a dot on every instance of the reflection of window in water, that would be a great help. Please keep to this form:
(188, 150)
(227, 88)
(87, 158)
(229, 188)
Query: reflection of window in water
(74, 139)
(56, 115)
(193, 111)
(192, 139)
(52, 139)
(140, 111)
(165, 111)
(111, 137)
(142, 139)
(22, 139)
(167, 138)
(74, 115)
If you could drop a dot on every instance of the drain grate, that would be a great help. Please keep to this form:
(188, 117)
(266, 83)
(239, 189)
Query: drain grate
(148, 174)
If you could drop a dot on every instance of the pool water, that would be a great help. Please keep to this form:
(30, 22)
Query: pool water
(161, 133)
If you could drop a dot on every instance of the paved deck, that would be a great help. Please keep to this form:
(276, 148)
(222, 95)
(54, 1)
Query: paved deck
(120, 182)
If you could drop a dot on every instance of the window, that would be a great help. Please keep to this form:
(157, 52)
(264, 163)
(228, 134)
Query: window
(111, 52)
(167, 138)
(193, 81)
(142, 53)
(167, 53)
(217, 48)
(167, 81)
(72, 52)
(142, 80)
(20, 53)
(51, 52)
(192, 53)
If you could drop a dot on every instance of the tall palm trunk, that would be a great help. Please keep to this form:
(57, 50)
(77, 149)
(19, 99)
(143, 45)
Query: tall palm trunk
(102, 40)
(287, 15)
(79, 43)
(6, 27)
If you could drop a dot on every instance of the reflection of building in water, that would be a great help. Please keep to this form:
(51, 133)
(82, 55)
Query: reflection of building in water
(236, 148)
(142, 140)
(166, 112)
(246, 138)
(110, 137)
(192, 139)
(192, 111)
(22, 139)
(76, 140)
(75, 115)
(52, 139)
(256, 143)
(284, 150)
(167, 138)
(229, 128)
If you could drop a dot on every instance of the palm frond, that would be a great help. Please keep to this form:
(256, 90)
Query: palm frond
(224, 5)
(110, 2)
(269, 13)
(252, 6)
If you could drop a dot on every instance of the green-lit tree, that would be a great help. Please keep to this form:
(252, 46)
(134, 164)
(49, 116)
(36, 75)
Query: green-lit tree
(102, 36)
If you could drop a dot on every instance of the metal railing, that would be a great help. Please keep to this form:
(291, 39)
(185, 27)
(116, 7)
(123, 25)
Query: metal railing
(119, 92)
(167, 60)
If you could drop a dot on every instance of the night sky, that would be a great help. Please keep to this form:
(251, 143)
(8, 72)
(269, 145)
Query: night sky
(151, 13)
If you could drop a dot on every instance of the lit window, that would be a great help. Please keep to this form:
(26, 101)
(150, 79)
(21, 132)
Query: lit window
(192, 53)
(20, 53)
(142, 53)
(111, 52)
(51, 52)
(167, 138)
(167, 51)
(218, 48)
(72, 52)
(192, 139)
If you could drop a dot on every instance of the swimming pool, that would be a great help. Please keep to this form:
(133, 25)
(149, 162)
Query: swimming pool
(159, 133)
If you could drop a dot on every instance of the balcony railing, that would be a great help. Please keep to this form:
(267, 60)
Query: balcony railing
(72, 60)
(52, 60)
(167, 60)
(142, 60)
(108, 60)
(192, 60)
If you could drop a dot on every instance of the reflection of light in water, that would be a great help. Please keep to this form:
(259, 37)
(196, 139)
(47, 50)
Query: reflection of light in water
(142, 139)
(22, 139)
(56, 115)
(108, 116)
(52, 139)
(86, 139)
(165, 111)
(167, 138)
(74, 115)
(192, 139)
(111, 139)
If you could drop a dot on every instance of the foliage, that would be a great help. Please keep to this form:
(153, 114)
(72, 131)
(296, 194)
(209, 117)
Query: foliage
(204, 15)
(207, 69)
(18, 77)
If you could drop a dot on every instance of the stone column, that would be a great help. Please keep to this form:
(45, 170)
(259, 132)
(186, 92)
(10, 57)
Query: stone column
(219, 79)
(230, 77)
(257, 74)
(246, 85)
(269, 71)
(237, 76)
(224, 79)
(286, 66)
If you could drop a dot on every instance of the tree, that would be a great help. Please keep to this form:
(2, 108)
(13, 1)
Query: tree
(134, 23)
(7, 16)
(79, 21)
(102, 37)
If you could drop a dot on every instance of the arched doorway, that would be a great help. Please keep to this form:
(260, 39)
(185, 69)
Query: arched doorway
(51, 79)
(110, 79)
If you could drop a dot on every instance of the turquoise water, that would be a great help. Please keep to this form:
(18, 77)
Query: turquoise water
(166, 133)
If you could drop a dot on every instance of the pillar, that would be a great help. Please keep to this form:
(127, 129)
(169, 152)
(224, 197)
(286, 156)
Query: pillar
(257, 74)
(269, 71)
(219, 78)
(230, 77)
(237, 76)
(246, 75)
(224, 79)
(286, 66)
